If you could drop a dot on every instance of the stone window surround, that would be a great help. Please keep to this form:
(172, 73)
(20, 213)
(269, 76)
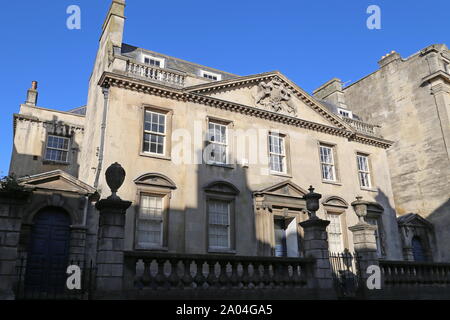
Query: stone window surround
(230, 142)
(331, 207)
(371, 176)
(158, 191)
(230, 197)
(69, 153)
(168, 134)
(337, 178)
(287, 153)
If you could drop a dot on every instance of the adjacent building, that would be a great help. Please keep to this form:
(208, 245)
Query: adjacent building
(410, 99)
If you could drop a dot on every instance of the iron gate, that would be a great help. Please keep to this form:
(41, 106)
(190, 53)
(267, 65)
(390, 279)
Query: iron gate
(41, 282)
(346, 275)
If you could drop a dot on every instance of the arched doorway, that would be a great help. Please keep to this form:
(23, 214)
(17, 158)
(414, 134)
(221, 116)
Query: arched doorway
(48, 252)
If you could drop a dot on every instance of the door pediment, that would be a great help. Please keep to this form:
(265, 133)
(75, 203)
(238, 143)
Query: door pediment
(57, 180)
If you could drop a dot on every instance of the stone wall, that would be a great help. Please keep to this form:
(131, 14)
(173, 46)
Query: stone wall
(399, 97)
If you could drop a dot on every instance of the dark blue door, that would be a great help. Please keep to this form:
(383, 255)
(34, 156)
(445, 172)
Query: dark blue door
(48, 252)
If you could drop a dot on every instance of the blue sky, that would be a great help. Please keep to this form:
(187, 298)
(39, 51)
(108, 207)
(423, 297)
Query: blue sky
(309, 41)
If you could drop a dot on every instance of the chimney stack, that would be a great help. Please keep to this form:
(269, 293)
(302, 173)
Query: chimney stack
(32, 94)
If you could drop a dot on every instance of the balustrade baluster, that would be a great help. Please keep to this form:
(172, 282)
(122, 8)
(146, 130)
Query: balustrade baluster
(245, 279)
(223, 277)
(160, 278)
(199, 278)
(146, 276)
(174, 279)
(234, 279)
(212, 279)
(266, 278)
(187, 278)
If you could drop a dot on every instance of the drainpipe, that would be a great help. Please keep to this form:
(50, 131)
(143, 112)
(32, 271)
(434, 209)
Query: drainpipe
(86, 203)
(105, 91)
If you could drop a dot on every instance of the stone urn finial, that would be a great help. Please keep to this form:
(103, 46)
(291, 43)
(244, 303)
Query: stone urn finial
(360, 207)
(115, 176)
(312, 202)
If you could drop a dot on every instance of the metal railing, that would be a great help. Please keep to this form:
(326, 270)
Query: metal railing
(184, 271)
(44, 281)
(156, 73)
(346, 275)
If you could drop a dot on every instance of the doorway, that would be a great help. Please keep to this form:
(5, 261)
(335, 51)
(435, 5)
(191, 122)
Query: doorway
(48, 252)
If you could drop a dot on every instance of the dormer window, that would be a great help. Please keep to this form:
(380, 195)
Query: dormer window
(345, 113)
(153, 61)
(211, 76)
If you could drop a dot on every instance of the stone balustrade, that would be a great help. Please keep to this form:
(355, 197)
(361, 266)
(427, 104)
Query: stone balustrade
(411, 273)
(361, 127)
(187, 271)
(155, 73)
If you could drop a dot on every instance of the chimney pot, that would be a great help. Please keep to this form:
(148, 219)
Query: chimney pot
(34, 85)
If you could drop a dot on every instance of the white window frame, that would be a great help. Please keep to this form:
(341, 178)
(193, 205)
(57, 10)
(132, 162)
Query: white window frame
(161, 61)
(282, 155)
(348, 112)
(362, 172)
(164, 135)
(161, 221)
(204, 73)
(210, 142)
(57, 149)
(330, 216)
(228, 247)
(332, 163)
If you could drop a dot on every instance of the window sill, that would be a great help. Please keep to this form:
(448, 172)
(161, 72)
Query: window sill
(59, 163)
(369, 189)
(226, 166)
(155, 156)
(152, 249)
(223, 251)
(336, 183)
(280, 174)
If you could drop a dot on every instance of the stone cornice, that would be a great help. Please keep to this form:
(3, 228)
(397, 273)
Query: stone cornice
(25, 117)
(442, 75)
(192, 94)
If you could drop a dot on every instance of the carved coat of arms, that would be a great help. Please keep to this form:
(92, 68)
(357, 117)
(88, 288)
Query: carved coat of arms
(274, 96)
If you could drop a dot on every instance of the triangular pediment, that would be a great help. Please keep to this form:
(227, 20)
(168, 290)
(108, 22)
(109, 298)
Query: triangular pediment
(414, 220)
(285, 188)
(57, 180)
(271, 92)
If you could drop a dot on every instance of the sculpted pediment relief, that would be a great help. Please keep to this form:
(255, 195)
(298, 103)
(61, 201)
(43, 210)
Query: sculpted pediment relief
(274, 96)
(272, 93)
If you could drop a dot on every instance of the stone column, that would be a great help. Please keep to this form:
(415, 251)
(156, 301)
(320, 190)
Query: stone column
(365, 245)
(110, 246)
(315, 246)
(111, 233)
(11, 206)
(364, 242)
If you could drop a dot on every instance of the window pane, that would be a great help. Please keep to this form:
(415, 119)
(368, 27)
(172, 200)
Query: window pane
(334, 230)
(218, 212)
(150, 220)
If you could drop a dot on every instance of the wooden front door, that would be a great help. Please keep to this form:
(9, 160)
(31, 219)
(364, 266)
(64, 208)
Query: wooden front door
(48, 252)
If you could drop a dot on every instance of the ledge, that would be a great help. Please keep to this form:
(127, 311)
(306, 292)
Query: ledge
(155, 156)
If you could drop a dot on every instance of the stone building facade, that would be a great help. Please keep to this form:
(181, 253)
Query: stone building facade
(410, 99)
(215, 163)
